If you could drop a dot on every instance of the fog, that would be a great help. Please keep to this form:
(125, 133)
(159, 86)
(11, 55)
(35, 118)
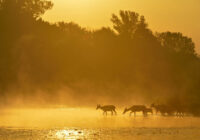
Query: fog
(46, 65)
(88, 118)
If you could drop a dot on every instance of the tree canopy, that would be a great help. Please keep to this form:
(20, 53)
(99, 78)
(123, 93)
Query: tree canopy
(34, 8)
(128, 23)
(177, 42)
(121, 63)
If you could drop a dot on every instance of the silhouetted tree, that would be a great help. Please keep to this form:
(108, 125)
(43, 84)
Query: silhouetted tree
(103, 36)
(34, 8)
(177, 42)
(129, 23)
(126, 24)
(130, 59)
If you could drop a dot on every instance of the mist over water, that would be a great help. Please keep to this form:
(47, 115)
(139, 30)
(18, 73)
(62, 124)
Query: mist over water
(88, 118)
(88, 123)
(53, 77)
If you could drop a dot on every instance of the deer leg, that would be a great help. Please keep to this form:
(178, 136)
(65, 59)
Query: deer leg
(144, 113)
(182, 114)
(177, 114)
(112, 113)
(130, 113)
(115, 112)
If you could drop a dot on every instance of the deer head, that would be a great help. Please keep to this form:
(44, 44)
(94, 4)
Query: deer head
(98, 106)
(125, 110)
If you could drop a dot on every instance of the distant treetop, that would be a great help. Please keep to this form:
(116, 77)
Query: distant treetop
(34, 8)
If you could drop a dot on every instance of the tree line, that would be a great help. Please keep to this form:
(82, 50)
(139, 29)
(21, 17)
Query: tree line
(127, 61)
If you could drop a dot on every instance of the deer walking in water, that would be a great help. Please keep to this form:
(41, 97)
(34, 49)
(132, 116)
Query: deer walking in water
(163, 109)
(148, 110)
(107, 108)
(180, 110)
(136, 108)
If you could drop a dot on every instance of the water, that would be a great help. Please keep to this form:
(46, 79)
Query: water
(100, 133)
(89, 124)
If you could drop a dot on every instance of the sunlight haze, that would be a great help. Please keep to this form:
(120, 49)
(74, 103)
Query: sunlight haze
(99, 69)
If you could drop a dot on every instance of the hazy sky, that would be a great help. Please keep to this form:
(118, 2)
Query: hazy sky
(161, 15)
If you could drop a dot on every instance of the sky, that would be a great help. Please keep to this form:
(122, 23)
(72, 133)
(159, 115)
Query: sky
(161, 15)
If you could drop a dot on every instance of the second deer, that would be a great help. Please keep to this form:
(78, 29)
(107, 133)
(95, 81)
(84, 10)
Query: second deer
(107, 108)
(136, 108)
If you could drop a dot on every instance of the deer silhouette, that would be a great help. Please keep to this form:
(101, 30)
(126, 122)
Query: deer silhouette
(148, 110)
(163, 109)
(136, 108)
(107, 108)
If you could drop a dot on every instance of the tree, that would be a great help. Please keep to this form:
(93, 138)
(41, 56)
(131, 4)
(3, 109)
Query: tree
(104, 34)
(129, 23)
(34, 8)
(177, 42)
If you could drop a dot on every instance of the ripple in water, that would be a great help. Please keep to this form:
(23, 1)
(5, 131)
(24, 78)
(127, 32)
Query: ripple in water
(100, 133)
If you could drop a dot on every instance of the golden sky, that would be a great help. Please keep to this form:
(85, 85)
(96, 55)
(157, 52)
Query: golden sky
(162, 15)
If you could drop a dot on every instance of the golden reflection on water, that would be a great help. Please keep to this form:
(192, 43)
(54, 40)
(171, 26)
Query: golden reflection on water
(89, 124)
(69, 134)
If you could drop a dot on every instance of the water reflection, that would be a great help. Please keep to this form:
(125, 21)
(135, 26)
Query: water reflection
(69, 134)
(127, 133)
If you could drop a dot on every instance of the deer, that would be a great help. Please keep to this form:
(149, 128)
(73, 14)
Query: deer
(107, 108)
(148, 110)
(163, 109)
(136, 108)
(180, 110)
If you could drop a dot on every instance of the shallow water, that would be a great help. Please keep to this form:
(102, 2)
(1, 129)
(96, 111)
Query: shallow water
(74, 124)
(100, 133)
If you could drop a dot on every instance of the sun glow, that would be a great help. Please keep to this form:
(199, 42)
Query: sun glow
(69, 134)
(161, 15)
(83, 4)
